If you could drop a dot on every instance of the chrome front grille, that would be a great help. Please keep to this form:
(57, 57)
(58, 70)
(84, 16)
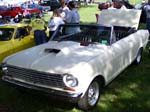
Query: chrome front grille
(36, 77)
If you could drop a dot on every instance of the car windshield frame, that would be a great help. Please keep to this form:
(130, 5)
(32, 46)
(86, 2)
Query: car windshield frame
(6, 34)
(83, 33)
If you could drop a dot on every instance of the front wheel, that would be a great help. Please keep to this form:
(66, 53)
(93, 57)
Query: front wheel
(91, 97)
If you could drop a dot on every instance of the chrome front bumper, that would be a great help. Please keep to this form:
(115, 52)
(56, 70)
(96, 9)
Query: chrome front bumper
(70, 97)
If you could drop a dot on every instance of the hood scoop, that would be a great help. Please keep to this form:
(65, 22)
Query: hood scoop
(50, 50)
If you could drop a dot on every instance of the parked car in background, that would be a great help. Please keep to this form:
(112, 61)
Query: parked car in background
(14, 10)
(80, 60)
(33, 6)
(14, 38)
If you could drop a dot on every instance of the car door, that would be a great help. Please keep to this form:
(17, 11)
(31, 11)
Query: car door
(28, 39)
(130, 45)
(119, 60)
(113, 59)
(18, 42)
(25, 40)
(133, 42)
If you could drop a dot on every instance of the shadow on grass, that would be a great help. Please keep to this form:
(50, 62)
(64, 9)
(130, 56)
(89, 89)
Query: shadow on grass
(21, 100)
(130, 91)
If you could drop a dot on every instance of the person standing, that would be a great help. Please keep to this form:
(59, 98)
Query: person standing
(72, 15)
(38, 26)
(64, 9)
(54, 22)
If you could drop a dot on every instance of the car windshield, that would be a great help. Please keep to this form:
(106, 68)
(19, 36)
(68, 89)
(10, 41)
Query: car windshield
(6, 34)
(83, 33)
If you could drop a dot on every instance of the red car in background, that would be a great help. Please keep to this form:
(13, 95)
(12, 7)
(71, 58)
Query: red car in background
(13, 11)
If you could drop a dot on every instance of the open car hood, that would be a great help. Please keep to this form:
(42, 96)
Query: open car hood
(120, 17)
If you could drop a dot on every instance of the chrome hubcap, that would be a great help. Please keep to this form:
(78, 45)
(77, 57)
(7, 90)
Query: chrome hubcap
(93, 93)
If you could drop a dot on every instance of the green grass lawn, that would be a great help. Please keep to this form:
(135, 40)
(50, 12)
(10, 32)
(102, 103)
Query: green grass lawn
(87, 13)
(129, 92)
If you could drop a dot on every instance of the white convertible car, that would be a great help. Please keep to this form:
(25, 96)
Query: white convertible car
(80, 59)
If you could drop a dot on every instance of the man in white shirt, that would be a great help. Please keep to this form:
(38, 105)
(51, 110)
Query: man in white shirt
(72, 17)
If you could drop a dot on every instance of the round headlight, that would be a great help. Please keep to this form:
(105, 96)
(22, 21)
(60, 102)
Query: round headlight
(70, 80)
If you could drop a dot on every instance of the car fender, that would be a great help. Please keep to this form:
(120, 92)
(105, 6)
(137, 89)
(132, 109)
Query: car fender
(88, 70)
